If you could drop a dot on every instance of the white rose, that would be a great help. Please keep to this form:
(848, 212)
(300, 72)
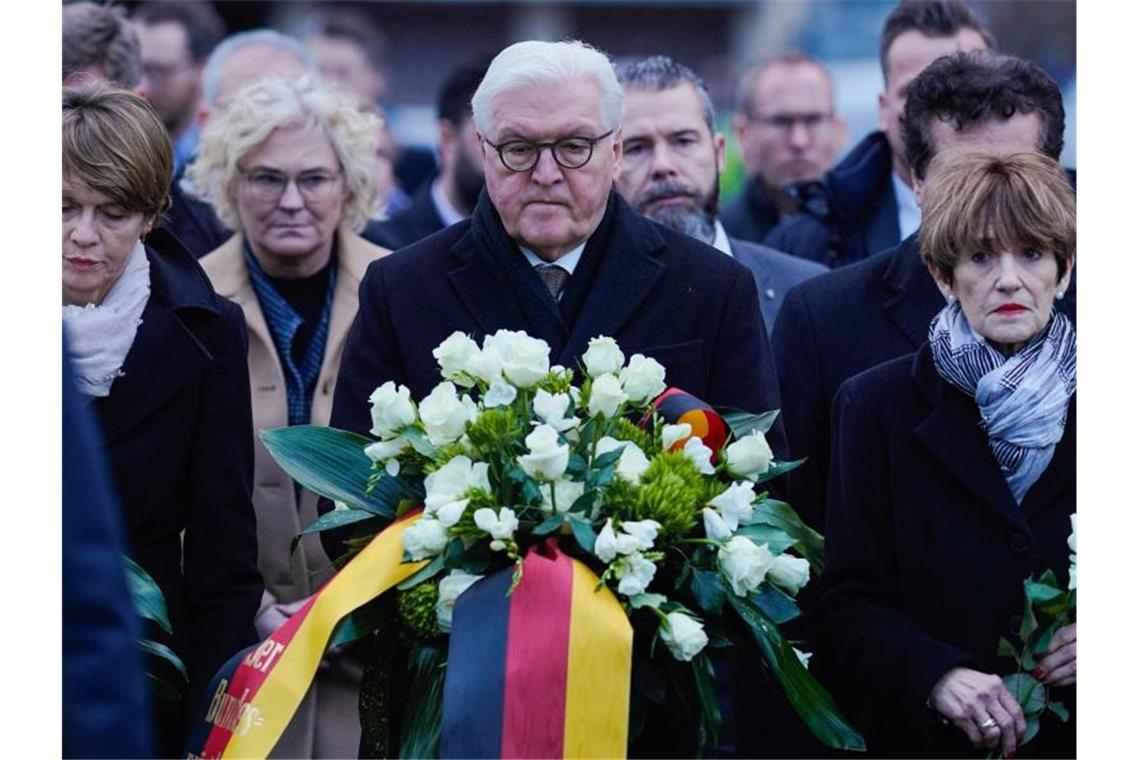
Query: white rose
(645, 531)
(685, 636)
(603, 357)
(606, 396)
(501, 527)
(610, 544)
(716, 528)
(700, 455)
(392, 409)
(744, 564)
(424, 538)
(674, 434)
(802, 656)
(450, 589)
(634, 574)
(457, 357)
(790, 573)
(451, 481)
(1073, 534)
(735, 504)
(566, 492)
(525, 360)
(445, 415)
(450, 513)
(643, 380)
(501, 393)
(382, 451)
(551, 408)
(548, 458)
(632, 463)
(750, 456)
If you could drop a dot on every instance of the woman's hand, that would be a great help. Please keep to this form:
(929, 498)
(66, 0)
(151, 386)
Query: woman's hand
(1059, 665)
(980, 705)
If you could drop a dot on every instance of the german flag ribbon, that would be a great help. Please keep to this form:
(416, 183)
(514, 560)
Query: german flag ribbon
(676, 407)
(248, 713)
(541, 673)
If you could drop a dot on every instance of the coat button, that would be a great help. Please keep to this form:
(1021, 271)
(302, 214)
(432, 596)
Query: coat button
(1018, 542)
(1015, 625)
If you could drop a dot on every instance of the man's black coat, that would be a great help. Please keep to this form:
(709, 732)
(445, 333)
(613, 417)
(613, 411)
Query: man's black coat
(408, 226)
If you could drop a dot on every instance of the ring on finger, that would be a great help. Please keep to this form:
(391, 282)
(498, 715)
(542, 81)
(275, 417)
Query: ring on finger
(988, 723)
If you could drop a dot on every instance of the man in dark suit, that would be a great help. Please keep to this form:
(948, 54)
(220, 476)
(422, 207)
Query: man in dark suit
(450, 197)
(849, 320)
(866, 203)
(552, 250)
(671, 160)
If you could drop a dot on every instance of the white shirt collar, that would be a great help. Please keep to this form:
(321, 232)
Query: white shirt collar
(448, 213)
(720, 242)
(567, 262)
(910, 216)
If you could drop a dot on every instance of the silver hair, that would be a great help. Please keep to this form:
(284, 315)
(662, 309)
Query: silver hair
(660, 72)
(530, 63)
(212, 72)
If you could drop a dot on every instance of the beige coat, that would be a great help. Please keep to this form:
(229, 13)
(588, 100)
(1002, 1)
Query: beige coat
(333, 729)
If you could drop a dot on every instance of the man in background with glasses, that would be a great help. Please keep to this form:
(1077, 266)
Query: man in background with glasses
(788, 132)
(553, 250)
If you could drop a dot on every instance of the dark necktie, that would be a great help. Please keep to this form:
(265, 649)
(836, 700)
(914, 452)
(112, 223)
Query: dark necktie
(553, 277)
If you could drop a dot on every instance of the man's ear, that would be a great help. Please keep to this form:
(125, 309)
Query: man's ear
(882, 101)
(718, 145)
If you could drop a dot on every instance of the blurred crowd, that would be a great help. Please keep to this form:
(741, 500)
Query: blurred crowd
(245, 247)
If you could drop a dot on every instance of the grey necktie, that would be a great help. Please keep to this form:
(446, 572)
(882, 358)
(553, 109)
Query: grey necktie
(554, 277)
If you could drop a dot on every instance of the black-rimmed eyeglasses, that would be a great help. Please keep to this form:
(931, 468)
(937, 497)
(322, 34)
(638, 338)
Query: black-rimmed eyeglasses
(569, 152)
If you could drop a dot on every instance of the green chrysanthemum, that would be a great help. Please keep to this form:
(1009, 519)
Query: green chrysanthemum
(416, 608)
(556, 383)
(624, 430)
(495, 430)
(672, 492)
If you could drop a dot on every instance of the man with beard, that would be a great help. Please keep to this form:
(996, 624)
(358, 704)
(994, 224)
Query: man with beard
(451, 196)
(671, 170)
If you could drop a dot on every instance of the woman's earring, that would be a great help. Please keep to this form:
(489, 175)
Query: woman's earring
(1060, 295)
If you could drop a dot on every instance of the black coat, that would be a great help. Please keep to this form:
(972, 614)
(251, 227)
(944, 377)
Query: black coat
(848, 214)
(194, 222)
(408, 226)
(926, 554)
(655, 291)
(837, 325)
(750, 215)
(179, 441)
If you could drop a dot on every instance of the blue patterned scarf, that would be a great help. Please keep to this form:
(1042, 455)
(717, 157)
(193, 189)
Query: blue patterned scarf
(1023, 399)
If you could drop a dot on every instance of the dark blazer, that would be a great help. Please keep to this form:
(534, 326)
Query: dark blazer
(414, 223)
(848, 214)
(180, 443)
(194, 222)
(838, 325)
(750, 215)
(926, 554)
(656, 291)
(775, 274)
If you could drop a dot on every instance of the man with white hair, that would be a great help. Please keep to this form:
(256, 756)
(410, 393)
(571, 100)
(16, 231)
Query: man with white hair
(553, 250)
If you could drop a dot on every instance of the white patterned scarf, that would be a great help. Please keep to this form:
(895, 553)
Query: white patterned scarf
(1023, 399)
(99, 337)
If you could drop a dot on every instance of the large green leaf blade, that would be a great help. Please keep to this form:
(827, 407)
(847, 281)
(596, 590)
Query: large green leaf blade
(330, 463)
(423, 714)
(782, 516)
(814, 704)
(146, 595)
(163, 652)
(744, 423)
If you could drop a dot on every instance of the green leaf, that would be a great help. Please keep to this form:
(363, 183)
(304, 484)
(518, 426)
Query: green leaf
(610, 458)
(423, 713)
(1032, 726)
(744, 423)
(549, 525)
(584, 502)
(146, 595)
(813, 702)
(1006, 649)
(1028, 691)
(1028, 622)
(453, 555)
(1059, 709)
(703, 679)
(359, 623)
(1043, 637)
(637, 601)
(162, 688)
(329, 462)
(781, 515)
(420, 442)
(775, 604)
(430, 570)
(576, 467)
(583, 533)
(336, 519)
(778, 540)
(776, 469)
(708, 591)
(163, 652)
(1042, 593)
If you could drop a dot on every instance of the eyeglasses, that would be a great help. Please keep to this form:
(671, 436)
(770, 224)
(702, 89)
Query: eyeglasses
(268, 186)
(786, 122)
(569, 152)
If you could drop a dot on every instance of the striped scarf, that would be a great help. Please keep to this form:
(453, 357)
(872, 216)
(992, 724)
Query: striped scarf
(1023, 399)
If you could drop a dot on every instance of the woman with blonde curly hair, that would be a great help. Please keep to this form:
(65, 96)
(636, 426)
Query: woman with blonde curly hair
(289, 164)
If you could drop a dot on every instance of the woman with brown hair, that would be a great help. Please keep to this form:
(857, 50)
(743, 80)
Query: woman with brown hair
(163, 360)
(953, 477)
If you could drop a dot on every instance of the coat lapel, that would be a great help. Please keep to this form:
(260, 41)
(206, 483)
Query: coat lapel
(953, 435)
(355, 254)
(913, 299)
(227, 271)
